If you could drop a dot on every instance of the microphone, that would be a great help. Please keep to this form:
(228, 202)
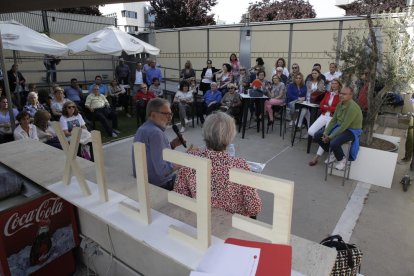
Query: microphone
(177, 132)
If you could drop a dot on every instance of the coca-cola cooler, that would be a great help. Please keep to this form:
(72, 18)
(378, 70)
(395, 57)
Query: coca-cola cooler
(38, 230)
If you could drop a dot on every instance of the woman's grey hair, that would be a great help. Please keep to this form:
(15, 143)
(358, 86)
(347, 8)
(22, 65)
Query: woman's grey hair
(219, 130)
(155, 105)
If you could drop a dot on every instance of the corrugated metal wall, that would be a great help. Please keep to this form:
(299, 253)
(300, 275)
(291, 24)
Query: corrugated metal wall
(61, 23)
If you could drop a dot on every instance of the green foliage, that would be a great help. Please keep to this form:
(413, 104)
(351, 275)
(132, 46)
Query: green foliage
(89, 10)
(182, 13)
(267, 10)
(390, 67)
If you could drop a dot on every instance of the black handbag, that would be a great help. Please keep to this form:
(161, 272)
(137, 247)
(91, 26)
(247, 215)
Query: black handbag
(348, 259)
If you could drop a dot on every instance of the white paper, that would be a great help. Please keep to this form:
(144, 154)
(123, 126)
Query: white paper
(230, 260)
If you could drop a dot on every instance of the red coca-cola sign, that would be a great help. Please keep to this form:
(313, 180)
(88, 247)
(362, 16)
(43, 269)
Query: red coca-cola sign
(36, 233)
(18, 221)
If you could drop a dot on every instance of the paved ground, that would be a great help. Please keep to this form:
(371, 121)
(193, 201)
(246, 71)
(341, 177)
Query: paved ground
(383, 228)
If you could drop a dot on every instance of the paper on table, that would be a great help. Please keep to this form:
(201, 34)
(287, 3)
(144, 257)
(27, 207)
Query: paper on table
(230, 260)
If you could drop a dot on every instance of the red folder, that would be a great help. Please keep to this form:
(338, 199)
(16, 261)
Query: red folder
(275, 259)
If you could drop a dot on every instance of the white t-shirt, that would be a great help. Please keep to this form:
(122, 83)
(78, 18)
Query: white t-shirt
(71, 122)
(208, 76)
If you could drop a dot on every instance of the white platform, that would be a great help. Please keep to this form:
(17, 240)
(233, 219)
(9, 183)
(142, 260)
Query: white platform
(373, 166)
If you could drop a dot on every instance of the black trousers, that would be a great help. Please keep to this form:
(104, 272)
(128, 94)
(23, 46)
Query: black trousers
(103, 115)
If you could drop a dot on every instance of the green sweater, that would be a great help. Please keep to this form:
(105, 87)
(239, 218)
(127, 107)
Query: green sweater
(347, 115)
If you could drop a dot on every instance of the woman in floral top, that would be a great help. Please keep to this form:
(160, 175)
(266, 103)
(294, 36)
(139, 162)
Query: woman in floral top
(218, 131)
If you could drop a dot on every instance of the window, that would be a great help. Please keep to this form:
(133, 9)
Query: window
(129, 14)
(131, 29)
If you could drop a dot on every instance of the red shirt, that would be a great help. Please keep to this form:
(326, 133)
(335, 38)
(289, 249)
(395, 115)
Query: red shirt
(325, 101)
(144, 96)
(226, 195)
(363, 97)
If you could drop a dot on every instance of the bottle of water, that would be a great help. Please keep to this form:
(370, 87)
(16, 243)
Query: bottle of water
(231, 149)
(308, 95)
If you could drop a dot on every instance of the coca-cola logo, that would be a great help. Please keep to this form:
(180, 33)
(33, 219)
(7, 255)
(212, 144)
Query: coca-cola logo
(17, 221)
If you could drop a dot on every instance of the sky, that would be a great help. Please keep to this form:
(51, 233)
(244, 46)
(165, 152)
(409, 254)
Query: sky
(231, 11)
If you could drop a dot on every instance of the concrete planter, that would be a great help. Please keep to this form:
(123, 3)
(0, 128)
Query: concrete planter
(374, 166)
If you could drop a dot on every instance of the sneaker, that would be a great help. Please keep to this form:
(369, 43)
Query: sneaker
(128, 115)
(304, 135)
(114, 135)
(340, 165)
(182, 129)
(291, 123)
(330, 159)
(116, 131)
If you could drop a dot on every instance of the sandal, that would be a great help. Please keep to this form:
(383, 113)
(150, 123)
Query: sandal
(313, 162)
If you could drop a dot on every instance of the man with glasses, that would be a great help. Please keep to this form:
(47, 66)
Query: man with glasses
(99, 106)
(152, 133)
(345, 126)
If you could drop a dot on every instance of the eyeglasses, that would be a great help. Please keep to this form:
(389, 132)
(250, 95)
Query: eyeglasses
(70, 107)
(344, 94)
(232, 87)
(294, 67)
(164, 113)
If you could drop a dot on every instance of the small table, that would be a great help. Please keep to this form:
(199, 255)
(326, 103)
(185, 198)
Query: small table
(313, 108)
(245, 104)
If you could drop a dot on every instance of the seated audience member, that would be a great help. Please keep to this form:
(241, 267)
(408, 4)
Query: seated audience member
(276, 96)
(292, 75)
(103, 89)
(152, 133)
(296, 91)
(141, 100)
(266, 85)
(32, 87)
(235, 67)
(243, 79)
(224, 77)
(33, 104)
(280, 62)
(98, 105)
(6, 134)
(74, 93)
(219, 131)
(198, 98)
(315, 66)
(212, 99)
(25, 130)
(314, 84)
(118, 96)
(208, 75)
(259, 65)
(327, 107)
(279, 73)
(45, 132)
(332, 74)
(156, 88)
(231, 103)
(188, 72)
(345, 126)
(183, 100)
(72, 118)
(57, 103)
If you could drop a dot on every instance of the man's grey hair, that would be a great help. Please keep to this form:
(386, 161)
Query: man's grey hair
(155, 105)
(213, 83)
(219, 130)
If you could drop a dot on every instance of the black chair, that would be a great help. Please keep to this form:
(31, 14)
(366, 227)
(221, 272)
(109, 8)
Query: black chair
(281, 110)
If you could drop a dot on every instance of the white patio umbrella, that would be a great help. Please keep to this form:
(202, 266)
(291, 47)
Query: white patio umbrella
(15, 36)
(111, 41)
